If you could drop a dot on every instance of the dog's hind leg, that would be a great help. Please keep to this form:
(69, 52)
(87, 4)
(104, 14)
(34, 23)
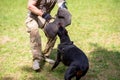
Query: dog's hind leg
(78, 78)
(57, 60)
(70, 73)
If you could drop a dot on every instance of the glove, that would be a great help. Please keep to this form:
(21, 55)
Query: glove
(63, 5)
(47, 16)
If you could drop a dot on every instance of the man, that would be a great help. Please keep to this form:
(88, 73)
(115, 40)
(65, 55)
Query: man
(39, 14)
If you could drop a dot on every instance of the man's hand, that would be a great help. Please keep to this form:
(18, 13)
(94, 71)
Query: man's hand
(47, 16)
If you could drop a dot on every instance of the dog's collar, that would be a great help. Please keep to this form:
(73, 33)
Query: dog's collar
(65, 45)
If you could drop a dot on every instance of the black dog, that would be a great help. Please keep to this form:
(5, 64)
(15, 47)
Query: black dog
(71, 56)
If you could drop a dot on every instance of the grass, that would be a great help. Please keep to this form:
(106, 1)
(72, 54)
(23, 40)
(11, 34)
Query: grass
(95, 29)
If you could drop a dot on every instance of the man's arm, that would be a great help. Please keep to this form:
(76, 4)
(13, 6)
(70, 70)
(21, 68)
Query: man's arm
(31, 6)
(35, 10)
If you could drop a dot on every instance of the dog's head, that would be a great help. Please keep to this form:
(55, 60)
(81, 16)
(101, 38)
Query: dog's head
(62, 32)
(63, 35)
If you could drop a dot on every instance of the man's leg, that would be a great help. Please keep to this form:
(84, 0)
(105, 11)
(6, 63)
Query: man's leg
(50, 41)
(48, 49)
(49, 46)
(35, 43)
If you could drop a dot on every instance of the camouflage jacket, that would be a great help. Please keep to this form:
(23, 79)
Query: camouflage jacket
(46, 5)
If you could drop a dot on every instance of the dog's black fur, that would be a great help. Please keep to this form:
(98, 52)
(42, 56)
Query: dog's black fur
(71, 56)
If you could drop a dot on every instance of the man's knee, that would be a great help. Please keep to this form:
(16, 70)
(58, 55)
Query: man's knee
(31, 25)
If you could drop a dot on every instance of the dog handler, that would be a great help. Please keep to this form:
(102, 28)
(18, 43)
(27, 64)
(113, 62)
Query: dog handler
(38, 15)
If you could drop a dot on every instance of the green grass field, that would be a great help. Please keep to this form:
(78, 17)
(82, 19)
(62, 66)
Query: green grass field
(95, 29)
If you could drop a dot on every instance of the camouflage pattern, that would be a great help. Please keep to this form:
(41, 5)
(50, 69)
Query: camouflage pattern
(33, 23)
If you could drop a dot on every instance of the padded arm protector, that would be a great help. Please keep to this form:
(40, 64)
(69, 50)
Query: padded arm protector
(61, 4)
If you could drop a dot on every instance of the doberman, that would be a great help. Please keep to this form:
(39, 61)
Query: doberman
(71, 56)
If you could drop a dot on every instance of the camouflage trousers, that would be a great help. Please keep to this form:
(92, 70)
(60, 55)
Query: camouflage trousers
(33, 26)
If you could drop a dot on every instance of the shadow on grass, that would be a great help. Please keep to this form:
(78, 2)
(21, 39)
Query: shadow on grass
(56, 74)
(52, 56)
(7, 78)
(104, 64)
(27, 69)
